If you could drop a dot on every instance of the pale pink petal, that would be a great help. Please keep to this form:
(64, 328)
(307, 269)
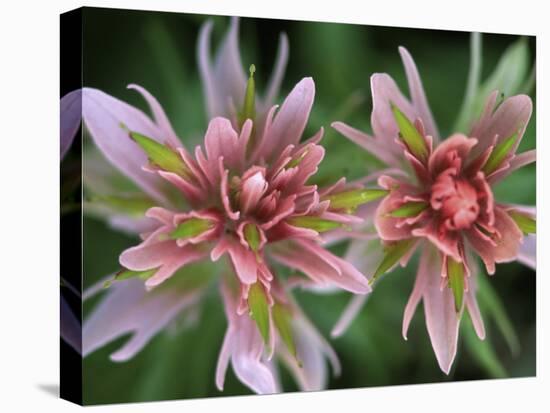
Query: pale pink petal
(384, 93)
(131, 225)
(350, 313)
(70, 113)
(289, 123)
(277, 74)
(147, 256)
(192, 193)
(228, 70)
(160, 117)
(312, 349)
(510, 117)
(420, 284)
(321, 266)
(186, 255)
(527, 254)
(103, 116)
(224, 357)
(442, 320)
(224, 81)
(374, 146)
(167, 256)
(244, 346)
(129, 308)
(213, 103)
(70, 328)
(471, 303)
(516, 162)
(418, 96)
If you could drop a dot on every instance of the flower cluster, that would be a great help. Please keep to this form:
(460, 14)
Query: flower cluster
(440, 200)
(246, 197)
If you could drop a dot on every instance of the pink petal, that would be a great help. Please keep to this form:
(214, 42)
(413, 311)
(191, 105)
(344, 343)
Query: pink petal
(307, 167)
(439, 160)
(289, 123)
(160, 117)
(221, 140)
(70, 115)
(129, 308)
(103, 115)
(509, 118)
(418, 96)
(390, 228)
(244, 261)
(442, 320)
(253, 189)
(507, 245)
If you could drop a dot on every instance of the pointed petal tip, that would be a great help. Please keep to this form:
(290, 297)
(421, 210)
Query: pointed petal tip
(403, 50)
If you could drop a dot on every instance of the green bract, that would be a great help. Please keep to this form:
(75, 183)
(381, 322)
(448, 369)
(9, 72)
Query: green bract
(352, 199)
(252, 236)
(314, 223)
(161, 155)
(191, 228)
(393, 253)
(409, 209)
(282, 318)
(499, 154)
(455, 272)
(259, 309)
(125, 274)
(525, 222)
(410, 135)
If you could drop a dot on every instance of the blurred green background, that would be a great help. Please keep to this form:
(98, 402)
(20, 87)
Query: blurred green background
(158, 51)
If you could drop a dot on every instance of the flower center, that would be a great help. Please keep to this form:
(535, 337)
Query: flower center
(456, 199)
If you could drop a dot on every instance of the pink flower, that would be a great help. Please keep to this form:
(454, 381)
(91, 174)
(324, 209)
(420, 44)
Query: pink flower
(442, 203)
(246, 199)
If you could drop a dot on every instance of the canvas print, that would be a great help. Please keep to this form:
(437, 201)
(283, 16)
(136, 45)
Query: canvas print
(263, 206)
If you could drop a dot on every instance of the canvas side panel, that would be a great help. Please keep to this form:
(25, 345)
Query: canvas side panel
(71, 216)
